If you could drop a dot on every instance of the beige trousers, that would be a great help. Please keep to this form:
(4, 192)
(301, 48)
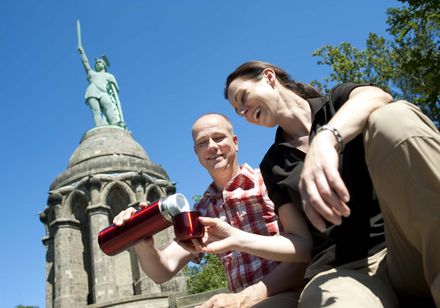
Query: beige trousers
(280, 300)
(403, 156)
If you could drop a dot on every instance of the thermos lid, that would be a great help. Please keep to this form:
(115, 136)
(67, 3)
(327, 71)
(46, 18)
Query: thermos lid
(173, 205)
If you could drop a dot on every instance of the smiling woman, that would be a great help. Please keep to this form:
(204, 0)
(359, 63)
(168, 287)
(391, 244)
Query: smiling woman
(336, 156)
(248, 90)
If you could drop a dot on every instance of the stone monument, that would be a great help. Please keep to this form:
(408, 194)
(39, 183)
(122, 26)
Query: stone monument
(106, 173)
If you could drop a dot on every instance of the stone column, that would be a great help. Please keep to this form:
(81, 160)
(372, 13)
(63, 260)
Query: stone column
(104, 288)
(138, 183)
(68, 288)
(48, 244)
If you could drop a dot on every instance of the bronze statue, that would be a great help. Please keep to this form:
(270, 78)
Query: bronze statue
(102, 92)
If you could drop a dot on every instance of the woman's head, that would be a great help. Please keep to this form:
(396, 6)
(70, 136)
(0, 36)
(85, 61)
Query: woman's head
(257, 91)
(254, 70)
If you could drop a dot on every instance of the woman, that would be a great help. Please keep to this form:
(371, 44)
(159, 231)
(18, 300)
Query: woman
(329, 152)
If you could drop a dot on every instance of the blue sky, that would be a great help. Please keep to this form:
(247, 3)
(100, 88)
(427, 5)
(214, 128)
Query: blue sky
(170, 59)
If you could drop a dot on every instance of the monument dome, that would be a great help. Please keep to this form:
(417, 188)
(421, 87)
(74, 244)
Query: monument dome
(107, 149)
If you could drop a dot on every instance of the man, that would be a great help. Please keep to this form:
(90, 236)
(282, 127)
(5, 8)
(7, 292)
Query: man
(238, 197)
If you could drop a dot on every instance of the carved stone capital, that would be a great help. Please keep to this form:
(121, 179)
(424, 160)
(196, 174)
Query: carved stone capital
(94, 183)
(54, 199)
(98, 208)
(65, 222)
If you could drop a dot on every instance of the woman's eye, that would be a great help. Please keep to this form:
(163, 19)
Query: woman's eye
(243, 98)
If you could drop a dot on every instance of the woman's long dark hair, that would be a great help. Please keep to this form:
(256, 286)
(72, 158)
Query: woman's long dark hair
(254, 70)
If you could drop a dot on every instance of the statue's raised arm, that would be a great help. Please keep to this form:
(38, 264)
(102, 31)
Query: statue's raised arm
(102, 92)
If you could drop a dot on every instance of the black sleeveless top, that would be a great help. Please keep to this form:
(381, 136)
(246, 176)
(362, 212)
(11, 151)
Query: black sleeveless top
(281, 168)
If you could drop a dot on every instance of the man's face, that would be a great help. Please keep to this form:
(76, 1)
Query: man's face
(215, 145)
(99, 65)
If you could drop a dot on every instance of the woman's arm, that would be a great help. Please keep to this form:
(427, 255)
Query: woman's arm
(352, 117)
(292, 246)
(322, 189)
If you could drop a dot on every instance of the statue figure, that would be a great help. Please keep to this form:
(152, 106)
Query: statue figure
(102, 92)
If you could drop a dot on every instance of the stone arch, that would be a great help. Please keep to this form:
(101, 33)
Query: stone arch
(117, 195)
(76, 204)
(153, 192)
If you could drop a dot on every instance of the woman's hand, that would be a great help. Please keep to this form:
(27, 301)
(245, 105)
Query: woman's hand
(219, 236)
(323, 192)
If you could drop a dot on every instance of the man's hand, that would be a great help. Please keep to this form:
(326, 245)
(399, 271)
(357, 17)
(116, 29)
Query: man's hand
(125, 215)
(224, 300)
(323, 192)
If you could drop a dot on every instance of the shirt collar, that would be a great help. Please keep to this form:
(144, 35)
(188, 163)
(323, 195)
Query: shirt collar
(246, 174)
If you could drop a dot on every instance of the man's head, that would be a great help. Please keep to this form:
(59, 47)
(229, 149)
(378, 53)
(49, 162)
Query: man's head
(216, 145)
(100, 65)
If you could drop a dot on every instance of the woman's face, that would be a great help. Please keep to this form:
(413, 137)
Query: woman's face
(256, 100)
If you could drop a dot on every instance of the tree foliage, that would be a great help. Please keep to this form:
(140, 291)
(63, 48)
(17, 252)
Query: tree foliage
(209, 275)
(408, 65)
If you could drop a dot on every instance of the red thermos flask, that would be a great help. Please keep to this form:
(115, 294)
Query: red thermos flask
(144, 223)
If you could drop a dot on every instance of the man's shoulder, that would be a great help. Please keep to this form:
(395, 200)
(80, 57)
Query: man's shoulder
(247, 169)
(206, 198)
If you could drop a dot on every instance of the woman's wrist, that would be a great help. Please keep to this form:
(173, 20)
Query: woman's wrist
(336, 134)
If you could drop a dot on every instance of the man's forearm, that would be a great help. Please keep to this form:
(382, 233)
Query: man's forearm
(161, 266)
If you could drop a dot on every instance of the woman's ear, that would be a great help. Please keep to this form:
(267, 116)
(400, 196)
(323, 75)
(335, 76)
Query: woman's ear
(270, 76)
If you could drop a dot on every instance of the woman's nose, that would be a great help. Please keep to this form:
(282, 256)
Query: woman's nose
(243, 111)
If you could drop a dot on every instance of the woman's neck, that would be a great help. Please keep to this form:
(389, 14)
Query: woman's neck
(296, 118)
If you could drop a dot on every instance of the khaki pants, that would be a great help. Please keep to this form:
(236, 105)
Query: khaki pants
(403, 156)
(280, 300)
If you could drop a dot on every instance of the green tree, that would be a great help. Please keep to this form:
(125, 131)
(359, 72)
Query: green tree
(23, 306)
(408, 65)
(208, 275)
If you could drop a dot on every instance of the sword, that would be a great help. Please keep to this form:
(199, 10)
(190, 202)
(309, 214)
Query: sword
(78, 32)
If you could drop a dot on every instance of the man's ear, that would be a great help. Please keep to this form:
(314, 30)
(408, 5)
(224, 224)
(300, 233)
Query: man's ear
(195, 151)
(270, 76)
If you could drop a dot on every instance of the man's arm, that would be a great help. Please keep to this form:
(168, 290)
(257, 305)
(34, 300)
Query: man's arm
(285, 277)
(84, 59)
(160, 266)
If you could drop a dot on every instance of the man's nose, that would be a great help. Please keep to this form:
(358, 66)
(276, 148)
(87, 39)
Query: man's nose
(211, 144)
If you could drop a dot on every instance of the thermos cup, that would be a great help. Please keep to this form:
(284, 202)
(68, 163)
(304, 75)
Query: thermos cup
(187, 226)
(144, 223)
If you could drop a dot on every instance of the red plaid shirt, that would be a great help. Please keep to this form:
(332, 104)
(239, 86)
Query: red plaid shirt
(244, 204)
